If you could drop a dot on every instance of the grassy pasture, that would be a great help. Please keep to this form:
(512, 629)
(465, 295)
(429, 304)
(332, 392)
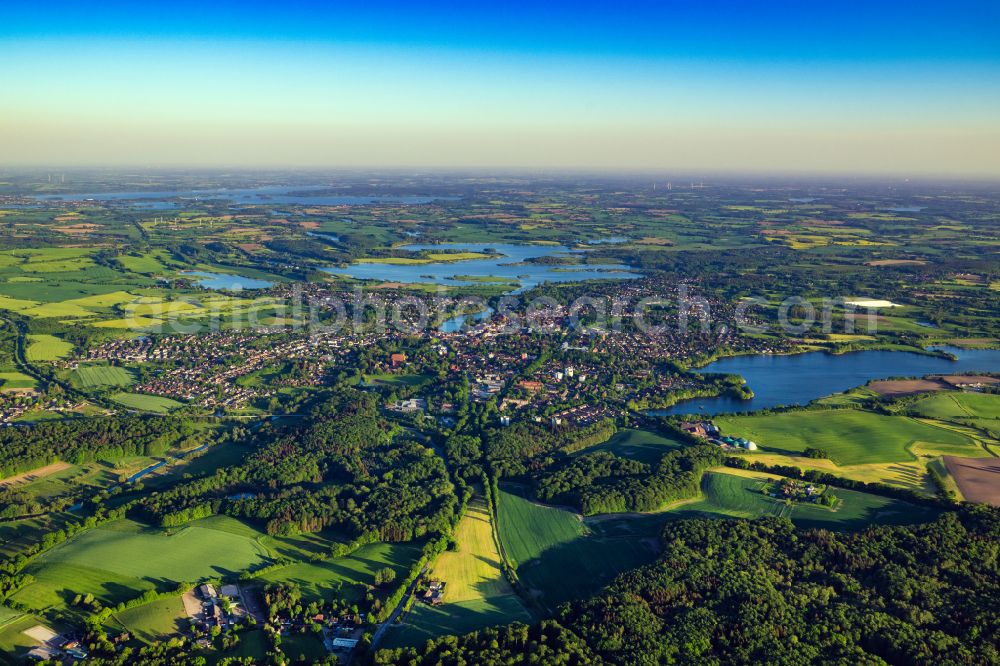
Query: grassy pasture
(424, 622)
(148, 262)
(728, 495)
(559, 557)
(473, 571)
(476, 595)
(47, 348)
(156, 620)
(641, 445)
(16, 380)
(147, 403)
(120, 560)
(129, 323)
(396, 380)
(93, 376)
(345, 577)
(952, 405)
(308, 645)
(852, 437)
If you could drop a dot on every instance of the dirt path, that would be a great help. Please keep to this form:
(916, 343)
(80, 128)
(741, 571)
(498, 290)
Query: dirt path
(35, 474)
(192, 606)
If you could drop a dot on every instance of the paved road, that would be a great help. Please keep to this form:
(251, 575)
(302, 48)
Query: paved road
(377, 636)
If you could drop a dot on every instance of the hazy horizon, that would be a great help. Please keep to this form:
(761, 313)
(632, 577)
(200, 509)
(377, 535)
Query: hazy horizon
(894, 90)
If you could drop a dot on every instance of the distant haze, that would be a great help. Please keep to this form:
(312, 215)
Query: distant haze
(696, 86)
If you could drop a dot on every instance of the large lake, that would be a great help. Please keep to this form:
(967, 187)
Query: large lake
(800, 378)
(306, 195)
(508, 267)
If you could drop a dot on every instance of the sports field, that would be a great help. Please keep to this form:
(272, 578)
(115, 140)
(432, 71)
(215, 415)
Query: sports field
(642, 445)
(730, 496)
(120, 560)
(92, 376)
(147, 403)
(850, 436)
(47, 348)
(559, 557)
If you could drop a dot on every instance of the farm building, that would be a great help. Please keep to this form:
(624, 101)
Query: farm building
(739, 443)
(435, 593)
(230, 591)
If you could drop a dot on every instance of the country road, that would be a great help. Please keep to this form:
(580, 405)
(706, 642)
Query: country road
(377, 636)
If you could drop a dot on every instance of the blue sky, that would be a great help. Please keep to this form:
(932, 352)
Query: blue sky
(879, 86)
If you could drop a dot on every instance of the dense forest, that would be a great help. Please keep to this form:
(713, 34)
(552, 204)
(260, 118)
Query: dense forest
(763, 592)
(82, 440)
(345, 467)
(605, 483)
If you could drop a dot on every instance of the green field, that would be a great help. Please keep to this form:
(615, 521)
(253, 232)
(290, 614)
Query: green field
(731, 496)
(307, 645)
(980, 410)
(13, 640)
(148, 262)
(473, 571)
(395, 380)
(16, 380)
(641, 445)
(476, 594)
(851, 436)
(93, 376)
(253, 644)
(154, 621)
(47, 348)
(120, 560)
(146, 403)
(558, 557)
(424, 622)
(345, 577)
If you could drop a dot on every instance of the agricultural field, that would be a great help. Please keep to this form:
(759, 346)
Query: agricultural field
(980, 410)
(473, 570)
(729, 495)
(850, 436)
(148, 263)
(16, 381)
(146, 403)
(47, 348)
(95, 376)
(153, 621)
(342, 577)
(642, 445)
(120, 560)
(476, 592)
(424, 622)
(558, 556)
(976, 478)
